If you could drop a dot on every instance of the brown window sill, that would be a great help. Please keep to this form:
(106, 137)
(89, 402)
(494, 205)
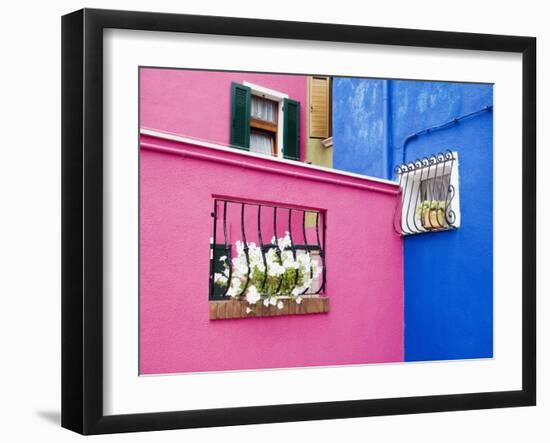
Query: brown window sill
(226, 309)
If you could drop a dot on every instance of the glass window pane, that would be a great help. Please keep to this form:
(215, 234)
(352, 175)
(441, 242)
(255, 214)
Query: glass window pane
(264, 109)
(261, 142)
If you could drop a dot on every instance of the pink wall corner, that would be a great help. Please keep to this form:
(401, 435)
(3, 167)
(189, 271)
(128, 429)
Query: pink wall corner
(197, 104)
(363, 260)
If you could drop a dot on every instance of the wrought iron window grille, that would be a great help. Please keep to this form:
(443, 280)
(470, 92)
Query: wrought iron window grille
(429, 195)
(260, 223)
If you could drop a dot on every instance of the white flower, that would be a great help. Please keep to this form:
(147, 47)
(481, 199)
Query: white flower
(256, 258)
(239, 265)
(252, 295)
(235, 288)
(248, 310)
(252, 263)
(280, 305)
(298, 300)
(240, 247)
(271, 255)
(317, 268)
(275, 270)
(304, 260)
(284, 242)
(220, 278)
(272, 263)
(290, 264)
(288, 260)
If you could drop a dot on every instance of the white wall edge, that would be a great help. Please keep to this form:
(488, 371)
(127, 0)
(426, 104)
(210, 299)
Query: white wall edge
(227, 148)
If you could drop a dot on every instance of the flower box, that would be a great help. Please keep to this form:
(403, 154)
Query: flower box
(226, 309)
(432, 214)
(268, 281)
(433, 219)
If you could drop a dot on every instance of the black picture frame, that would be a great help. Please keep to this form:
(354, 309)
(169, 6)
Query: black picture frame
(82, 215)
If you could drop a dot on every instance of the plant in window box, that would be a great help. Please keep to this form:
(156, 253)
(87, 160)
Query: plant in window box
(432, 214)
(282, 276)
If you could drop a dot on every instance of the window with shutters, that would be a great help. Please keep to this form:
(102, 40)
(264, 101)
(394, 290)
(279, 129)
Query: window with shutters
(319, 107)
(264, 121)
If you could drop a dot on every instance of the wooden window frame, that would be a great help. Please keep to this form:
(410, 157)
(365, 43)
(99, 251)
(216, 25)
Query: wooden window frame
(267, 127)
(276, 96)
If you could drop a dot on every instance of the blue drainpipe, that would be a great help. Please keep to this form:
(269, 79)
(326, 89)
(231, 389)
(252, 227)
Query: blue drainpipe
(445, 125)
(388, 128)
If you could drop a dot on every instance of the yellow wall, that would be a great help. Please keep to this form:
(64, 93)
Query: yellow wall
(316, 153)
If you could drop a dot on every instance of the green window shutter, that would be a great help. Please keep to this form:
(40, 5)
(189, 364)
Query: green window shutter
(291, 129)
(240, 116)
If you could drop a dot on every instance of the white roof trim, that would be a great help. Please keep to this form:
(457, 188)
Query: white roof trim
(266, 92)
(228, 148)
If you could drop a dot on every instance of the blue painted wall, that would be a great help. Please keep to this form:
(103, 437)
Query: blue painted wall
(357, 124)
(448, 275)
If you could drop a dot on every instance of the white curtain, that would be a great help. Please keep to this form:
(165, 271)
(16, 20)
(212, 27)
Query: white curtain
(260, 142)
(264, 109)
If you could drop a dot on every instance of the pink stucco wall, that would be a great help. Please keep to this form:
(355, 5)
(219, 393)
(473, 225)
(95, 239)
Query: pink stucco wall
(198, 103)
(363, 259)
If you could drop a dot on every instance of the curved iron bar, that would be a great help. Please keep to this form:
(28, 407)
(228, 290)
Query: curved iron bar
(450, 216)
(399, 205)
(227, 248)
(419, 166)
(262, 247)
(404, 210)
(293, 249)
(321, 253)
(441, 189)
(433, 163)
(308, 251)
(245, 253)
(410, 168)
(277, 249)
(405, 172)
(213, 250)
(440, 185)
(426, 167)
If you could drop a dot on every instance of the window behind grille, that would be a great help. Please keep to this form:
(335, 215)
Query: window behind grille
(435, 188)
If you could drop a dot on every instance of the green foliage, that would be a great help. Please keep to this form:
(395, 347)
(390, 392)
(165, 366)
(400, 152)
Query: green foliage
(428, 205)
(281, 285)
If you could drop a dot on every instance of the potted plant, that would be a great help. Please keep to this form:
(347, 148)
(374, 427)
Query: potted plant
(432, 214)
(268, 278)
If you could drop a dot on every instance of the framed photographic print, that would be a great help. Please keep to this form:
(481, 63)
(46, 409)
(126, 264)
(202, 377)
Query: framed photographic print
(270, 221)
